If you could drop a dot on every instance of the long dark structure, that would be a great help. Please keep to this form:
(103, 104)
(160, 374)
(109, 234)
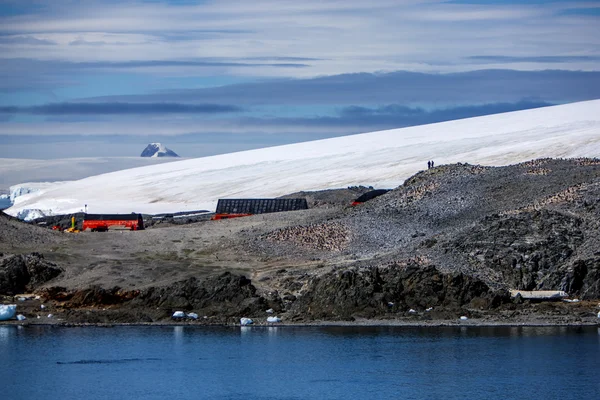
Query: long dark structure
(232, 208)
(369, 196)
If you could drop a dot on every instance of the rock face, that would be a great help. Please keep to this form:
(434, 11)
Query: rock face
(158, 150)
(533, 251)
(343, 294)
(23, 273)
(226, 295)
(380, 291)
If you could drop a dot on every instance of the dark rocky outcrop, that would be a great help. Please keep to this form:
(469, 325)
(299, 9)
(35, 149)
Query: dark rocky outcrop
(97, 296)
(581, 279)
(532, 250)
(226, 295)
(24, 273)
(379, 291)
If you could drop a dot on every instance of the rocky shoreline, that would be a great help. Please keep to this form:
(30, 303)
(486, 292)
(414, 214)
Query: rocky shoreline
(392, 296)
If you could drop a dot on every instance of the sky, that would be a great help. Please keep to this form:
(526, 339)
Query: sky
(93, 78)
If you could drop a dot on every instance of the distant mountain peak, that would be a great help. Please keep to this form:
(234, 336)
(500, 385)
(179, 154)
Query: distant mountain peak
(158, 150)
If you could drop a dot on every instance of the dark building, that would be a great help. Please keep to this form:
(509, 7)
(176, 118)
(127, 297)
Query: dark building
(230, 208)
(369, 196)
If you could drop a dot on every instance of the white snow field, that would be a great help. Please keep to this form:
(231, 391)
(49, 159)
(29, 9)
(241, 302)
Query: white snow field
(380, 159)
(18, 170)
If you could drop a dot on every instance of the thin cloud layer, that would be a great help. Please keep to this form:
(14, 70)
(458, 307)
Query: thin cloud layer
(120, 108)
(474, 87)
(337, 36)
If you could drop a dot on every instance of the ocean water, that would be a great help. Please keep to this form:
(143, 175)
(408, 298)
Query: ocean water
(299, 363)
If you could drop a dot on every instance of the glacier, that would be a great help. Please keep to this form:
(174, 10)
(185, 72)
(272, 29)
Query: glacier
(381, 159)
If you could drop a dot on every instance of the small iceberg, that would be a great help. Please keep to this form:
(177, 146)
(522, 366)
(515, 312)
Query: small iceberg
(598, 314)
(192, 315)
(270, 311)
(21, 317)
(178, 314)
(246, 321)
(390, 304)
(429, 309)
(273, 319)
(50, 315)
(7, 311)
(463, 318)
(411, 311)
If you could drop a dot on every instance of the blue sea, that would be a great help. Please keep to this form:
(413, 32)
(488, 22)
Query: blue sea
(299, 363)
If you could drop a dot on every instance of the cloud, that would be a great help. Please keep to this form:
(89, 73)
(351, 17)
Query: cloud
(404, 88)
(119, 108)
(333, 37)
(82, 42)
(533, 59)
(180, 63)
(395, 115)
(25, 40)
(347, 120)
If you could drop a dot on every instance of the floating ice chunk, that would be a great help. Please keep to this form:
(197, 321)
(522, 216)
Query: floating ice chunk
(598, 314)
(192, 315)
(463, 318)
(37, 297)
(411, 311)
(246, 321)
(42, 306)
(571, 300)
(390, 304)
(273, 319)
(178, 314)
(429, 309)
(21, 317)
(7, 311)
(270, 311)
(22, 299)
(50, 315)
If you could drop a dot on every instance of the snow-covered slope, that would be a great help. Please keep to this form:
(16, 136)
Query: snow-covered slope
(158, 150)
(381, 159)
(18, 170)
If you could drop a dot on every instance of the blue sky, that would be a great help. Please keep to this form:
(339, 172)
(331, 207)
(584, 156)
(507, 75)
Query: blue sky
(97, 78)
